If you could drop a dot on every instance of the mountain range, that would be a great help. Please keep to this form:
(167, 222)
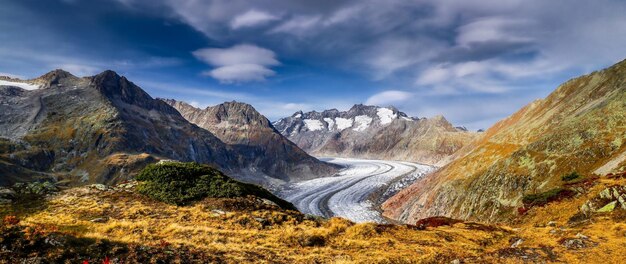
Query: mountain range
(579, 129)
(247, 131)
(104, 128)
(376, 133)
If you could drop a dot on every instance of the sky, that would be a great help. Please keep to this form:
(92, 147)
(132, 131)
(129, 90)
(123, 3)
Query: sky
(475, 62)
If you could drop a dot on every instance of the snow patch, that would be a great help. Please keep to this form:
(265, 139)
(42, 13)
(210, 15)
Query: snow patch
(331, 123)
(25, 86)
(362, 122)
(386, 115)
(406, 118)
(343, 123)
(297, 116)
(313, 125)
(295, 130)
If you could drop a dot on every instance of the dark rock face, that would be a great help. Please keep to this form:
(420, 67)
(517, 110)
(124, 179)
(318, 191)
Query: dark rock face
(100, 129)
(252, 135)
(374, 132)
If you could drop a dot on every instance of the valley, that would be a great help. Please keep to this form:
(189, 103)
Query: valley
(313, 132)
(352, 192)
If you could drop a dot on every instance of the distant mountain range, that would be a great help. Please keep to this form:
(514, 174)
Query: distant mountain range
(104, 128)
(374, 132)
(580, 127)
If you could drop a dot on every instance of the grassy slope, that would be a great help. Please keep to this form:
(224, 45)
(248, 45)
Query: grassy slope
(579, 127)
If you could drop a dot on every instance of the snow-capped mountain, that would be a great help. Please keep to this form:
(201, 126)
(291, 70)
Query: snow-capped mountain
(374, 132)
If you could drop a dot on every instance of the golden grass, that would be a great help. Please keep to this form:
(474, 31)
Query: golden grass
(252, 235)
(258, 234)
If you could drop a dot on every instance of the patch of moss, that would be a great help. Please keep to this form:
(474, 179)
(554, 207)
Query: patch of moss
(183, 183)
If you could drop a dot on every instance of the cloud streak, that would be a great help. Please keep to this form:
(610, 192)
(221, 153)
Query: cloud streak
(448, 56)
(239, 63)
(388, 98)
(251, 18)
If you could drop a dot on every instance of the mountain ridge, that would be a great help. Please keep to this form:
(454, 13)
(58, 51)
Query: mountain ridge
(374, 132)
(240, 125)
(102, 129)
(577, 128)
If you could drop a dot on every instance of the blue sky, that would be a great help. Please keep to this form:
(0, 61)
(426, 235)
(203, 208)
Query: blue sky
(473, 61)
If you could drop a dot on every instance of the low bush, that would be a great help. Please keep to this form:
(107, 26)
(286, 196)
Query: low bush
(435, 221)
(540, 199)
(570, 177)
(182, 183)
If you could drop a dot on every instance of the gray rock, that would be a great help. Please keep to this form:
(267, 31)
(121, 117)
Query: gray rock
(263, 221)
(574, 243)
(268, 202)
(99, 220)
(517, 243)
(217, 211)
(100, 187)
(6, 192)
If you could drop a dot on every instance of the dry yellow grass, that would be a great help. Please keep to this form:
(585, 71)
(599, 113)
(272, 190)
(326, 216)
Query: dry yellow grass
(246, 230)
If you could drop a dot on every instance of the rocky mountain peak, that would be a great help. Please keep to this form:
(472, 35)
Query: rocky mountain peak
(235, 113)
(249, 132)
(359, 118)
(118, 88)
(55, 77)
(441, 120)
(360, 109)
(238, 113)
(373, 132)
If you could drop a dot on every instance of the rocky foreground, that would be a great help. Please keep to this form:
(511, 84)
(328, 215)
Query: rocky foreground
(116, 224)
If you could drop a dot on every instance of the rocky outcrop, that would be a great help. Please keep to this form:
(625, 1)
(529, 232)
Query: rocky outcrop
(102, 129)
(374, 132)
(251, 134)
(580, 127)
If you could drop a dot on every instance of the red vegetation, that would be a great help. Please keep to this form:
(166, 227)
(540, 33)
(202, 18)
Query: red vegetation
(522, 210)
(435, 222)
(619, 175)
(10, 220)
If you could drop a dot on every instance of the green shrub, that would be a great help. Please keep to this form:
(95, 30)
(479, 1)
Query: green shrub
(570, 177)
(35, 188)
(182, 183)
(540, 199)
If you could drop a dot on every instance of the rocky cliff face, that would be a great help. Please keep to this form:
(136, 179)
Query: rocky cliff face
(374, 132)
(580, 127)
(99, 129)
(251, 134)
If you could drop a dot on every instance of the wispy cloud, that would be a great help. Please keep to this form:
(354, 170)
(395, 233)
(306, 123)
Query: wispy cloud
(387, 98)
(443, 50)
(251, 18)
(240, 63)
